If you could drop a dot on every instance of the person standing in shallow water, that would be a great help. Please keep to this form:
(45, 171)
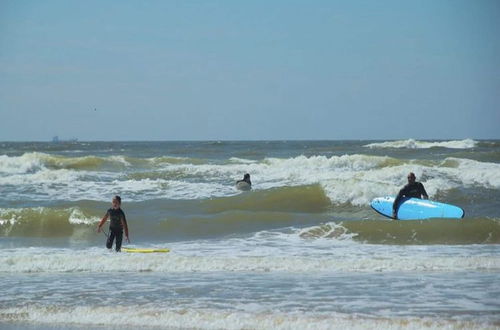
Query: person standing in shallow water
(118, 224)
(412, 190)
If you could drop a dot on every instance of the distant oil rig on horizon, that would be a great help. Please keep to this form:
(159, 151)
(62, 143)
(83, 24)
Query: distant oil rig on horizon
(56, 139)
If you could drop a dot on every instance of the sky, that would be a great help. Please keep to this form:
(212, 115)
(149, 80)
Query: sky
(249, 70)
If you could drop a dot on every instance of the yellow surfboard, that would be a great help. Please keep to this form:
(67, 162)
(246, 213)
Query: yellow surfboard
(136, 250)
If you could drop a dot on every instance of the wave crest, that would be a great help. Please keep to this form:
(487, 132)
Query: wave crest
(437, 231)
(141, 316)
(347, 179)
(307, 199)
(43, 222)
(99, 261)
(415, 144)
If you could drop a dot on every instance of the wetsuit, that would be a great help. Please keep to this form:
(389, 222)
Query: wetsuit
(115, 228)
(415, 190)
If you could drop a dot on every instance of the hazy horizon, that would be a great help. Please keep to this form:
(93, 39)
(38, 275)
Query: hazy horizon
(76, 140)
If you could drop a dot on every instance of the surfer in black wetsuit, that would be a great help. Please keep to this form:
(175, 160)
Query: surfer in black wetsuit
(412, 189)
(244, 184)
(118, 223)
(246, 178)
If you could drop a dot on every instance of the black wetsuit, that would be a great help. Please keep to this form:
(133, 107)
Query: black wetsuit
(415, 190)
(115, 228)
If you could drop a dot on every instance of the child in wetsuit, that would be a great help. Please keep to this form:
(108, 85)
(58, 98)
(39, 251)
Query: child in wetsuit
(118, 223)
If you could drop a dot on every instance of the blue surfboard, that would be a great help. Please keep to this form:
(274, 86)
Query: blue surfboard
(416, 209)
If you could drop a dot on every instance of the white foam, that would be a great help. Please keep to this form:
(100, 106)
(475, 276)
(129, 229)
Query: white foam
(10, 221)
(352, 179)
(196, 190)
(474, 173)
(357, 179)
(33, 162)
(77, 217)
(242, 160)
(43, 176)
(120, 160)
(27, 163)
(10, 216)
(182, 318)
(272, 244)
(97, 260)
(415, 144)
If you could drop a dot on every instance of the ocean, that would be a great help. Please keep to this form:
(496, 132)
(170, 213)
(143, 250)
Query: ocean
(301, 250)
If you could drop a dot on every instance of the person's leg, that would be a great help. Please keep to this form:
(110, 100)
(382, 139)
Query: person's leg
(111, 237)
(119, 237)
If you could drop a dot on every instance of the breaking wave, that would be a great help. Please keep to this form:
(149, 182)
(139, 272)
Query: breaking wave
(436, 231)
(347, 179)
(205, 318)
(98, 261)
(37, 161)
(237, 215)
(415, 144)
(43, 221)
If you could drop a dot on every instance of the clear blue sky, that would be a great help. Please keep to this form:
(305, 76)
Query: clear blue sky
(249, 70)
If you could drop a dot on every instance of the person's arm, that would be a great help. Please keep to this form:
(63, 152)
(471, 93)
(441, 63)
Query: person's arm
(423, 192)
(101, 223)
(125, 226)
(396, 203)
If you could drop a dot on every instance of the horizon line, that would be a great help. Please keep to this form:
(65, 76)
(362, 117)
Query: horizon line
(242, 140)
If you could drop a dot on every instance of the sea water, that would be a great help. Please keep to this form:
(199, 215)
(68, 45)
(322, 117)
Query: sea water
(301, 250)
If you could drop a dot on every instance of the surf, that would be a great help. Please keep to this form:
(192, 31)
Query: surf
(425, 232)
(95, 260)
(304, 199)
(415, 144)
(139, 316)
